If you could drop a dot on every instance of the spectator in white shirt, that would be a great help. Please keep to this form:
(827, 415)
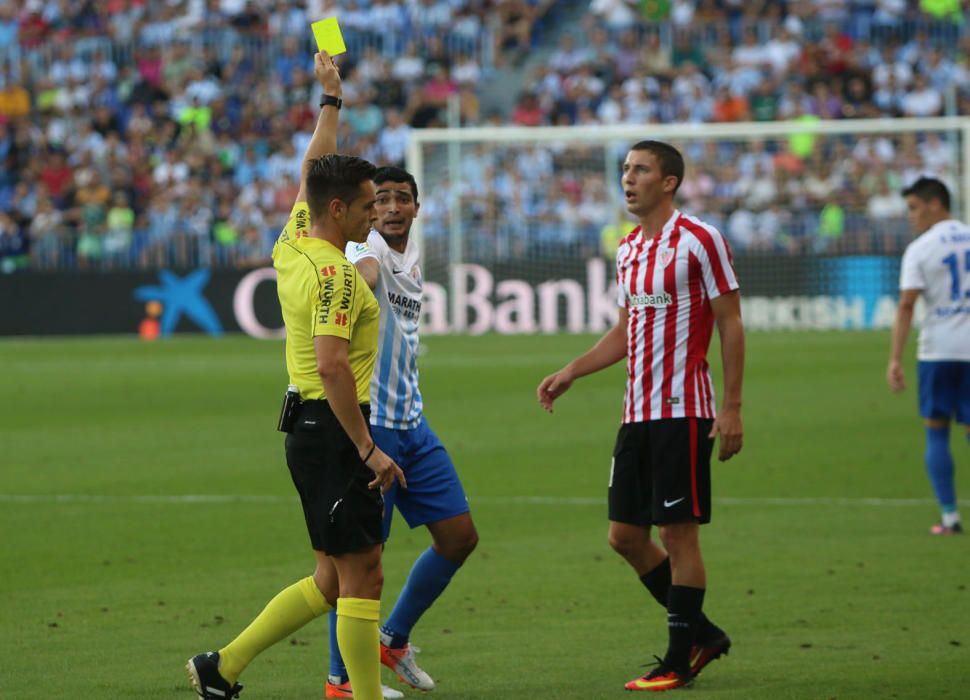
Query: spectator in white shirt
(888, 98)
(795, 102)
(290, 20)
(750, 53)
(388, 15)
(742, 229)
(567, 57)
(466, 23)
(467, 71)
(889, 13)
(885, 203)
(284, 163)
(429, 16)
(393, 140)
(936, 153)
(547, 84)
(770, 224)
(371, 66)
(873, 150)
(352, 16)
(410, 66)
(900, 72)
(67, 65)
(203, 88)
(831, 10)
(232, 7)
(782, 50)
(682, 12)
(584, 81)
(103, 67)
(923, 100)
(755, 158)
(940, 70)
(688, 78)
(616, 14)
(171, 170)
(610, 109)
(699, 106)
(918, 46)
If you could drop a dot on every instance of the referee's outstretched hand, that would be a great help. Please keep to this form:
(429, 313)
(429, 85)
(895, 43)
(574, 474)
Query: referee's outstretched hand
(552, 387)
(326, 73)
(385, 471)
(728, 424)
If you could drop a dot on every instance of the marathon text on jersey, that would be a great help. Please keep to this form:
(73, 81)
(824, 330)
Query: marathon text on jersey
(405, 306)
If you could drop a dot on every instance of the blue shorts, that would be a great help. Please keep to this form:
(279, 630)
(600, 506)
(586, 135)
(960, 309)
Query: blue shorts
(434, 491)
(944, 390)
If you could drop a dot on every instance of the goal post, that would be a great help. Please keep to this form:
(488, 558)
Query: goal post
(518, 224)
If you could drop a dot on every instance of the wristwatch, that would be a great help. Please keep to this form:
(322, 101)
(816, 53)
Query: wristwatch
(331, 100)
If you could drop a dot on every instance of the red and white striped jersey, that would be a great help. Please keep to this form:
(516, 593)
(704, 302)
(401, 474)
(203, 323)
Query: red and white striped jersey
(666, 283)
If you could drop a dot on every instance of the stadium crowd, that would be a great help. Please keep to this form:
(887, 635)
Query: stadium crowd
(137, 133)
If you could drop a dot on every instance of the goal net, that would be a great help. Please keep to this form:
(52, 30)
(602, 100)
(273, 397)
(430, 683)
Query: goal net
(519, 226)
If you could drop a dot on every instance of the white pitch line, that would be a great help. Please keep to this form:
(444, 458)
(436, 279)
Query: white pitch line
(100, 498)
(216, 499)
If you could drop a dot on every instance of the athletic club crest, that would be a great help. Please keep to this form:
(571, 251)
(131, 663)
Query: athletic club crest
(666, 255)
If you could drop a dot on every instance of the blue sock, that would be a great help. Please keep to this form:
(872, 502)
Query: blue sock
(939, 464)
(429, 576)
(337, 667)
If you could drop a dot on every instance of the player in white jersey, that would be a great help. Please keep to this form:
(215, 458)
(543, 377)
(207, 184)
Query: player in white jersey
(675, 280)
(936, 267)
(388, 261)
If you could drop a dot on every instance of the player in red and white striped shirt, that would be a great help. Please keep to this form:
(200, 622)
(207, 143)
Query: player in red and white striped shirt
(675, 281)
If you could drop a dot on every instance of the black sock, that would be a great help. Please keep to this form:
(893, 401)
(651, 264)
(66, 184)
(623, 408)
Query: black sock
(683, 614)
(657, 581)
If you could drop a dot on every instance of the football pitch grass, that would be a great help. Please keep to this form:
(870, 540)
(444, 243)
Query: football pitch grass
(146, 514)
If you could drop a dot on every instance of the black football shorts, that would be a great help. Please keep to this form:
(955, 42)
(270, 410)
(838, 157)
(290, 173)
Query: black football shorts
(661, 472)
(342, 514)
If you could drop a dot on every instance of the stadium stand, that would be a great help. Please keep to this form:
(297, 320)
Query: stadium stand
(144, 134)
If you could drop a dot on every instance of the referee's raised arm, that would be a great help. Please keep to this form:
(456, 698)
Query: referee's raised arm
(324, 139)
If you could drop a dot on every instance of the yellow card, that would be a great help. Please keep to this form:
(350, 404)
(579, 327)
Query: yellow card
(328, 36)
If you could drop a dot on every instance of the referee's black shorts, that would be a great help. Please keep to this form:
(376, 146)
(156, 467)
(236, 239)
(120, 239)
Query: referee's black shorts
(661, 472)
(342, 514)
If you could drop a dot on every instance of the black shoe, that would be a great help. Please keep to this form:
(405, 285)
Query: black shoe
(208, 682)
(704, 652)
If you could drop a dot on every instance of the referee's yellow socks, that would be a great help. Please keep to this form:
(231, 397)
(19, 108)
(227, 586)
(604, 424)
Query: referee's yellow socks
(292, 608)
(359, 645)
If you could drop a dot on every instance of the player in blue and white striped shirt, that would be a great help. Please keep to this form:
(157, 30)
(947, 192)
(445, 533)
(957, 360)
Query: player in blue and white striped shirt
(388, 261)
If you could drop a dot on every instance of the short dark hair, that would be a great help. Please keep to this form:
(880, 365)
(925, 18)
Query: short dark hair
(669, 158)
(335, 176)
(928, 189)
(392, 173)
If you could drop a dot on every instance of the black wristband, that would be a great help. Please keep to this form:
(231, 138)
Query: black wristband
(373, 445)
(331, 100)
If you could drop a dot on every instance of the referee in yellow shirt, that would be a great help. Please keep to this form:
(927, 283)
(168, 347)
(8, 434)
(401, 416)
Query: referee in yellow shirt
(331, 319)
